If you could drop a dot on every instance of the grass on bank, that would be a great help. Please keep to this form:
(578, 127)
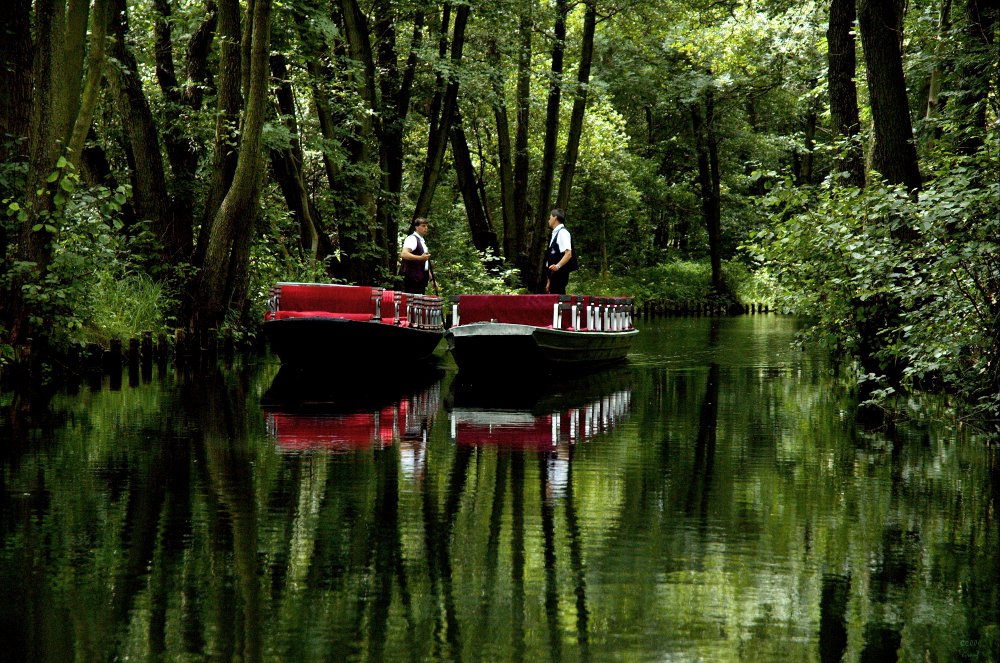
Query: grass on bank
(682, 282)
(124, 308)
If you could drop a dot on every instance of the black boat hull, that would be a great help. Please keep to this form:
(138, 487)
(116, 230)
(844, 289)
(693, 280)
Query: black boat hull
(499, 347)
(336, 342)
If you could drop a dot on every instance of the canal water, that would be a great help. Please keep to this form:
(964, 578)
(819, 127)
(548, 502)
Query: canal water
(713, 499)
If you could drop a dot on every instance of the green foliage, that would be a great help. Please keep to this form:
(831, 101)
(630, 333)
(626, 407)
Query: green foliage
(842, 253)
(458, 267)
(678, 283)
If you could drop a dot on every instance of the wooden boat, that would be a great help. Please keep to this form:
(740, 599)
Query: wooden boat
(505, 334)
(314, 325)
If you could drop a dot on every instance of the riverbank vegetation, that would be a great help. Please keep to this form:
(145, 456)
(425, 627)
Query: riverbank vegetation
(163, 162)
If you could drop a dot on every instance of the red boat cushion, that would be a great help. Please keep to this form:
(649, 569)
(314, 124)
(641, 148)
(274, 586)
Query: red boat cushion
(282, 315)
(535, 310)
(339, 298)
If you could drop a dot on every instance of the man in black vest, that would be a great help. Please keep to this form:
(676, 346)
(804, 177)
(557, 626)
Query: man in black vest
(559, 255)
(415, 259)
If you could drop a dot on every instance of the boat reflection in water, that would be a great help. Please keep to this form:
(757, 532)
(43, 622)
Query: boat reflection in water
(542, 415)
(306, 413)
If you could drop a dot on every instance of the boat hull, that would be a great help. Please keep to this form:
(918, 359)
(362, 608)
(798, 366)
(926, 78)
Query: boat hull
(335, 342)
(501, 347)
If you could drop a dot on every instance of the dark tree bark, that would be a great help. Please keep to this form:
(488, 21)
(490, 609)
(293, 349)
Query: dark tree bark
(396, 90)
(893, 153)
(439, 133)
(505, 165)
(975, 70)
(522, 212)
(579, 106)
(844, 116)
(707, 150)
(182, 153)
(286, 165)
(15, 113)
(804, 159)
(56, 73)
(483, 235)
(15, 93)
(363, 226)
(222, 280)
(536, 255)
(934, 83)
(227, 138)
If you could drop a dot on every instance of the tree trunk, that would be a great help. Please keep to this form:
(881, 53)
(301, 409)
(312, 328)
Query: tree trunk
(522, 212)
(92, 83)
(439, 133)
(844, 116)
(894, 154)
(149, 184)
(15, 113)
(804, 160)
(15, 93)
(396, 90)
(227, 137)
(56, 73)
(536, 255)
(182, 153)
(934, 84)
(579, 106)
(706, 147)
(286, 164)
(483, 236)
(975, 71)
(223, 275)
(505, 164)
(364, 229)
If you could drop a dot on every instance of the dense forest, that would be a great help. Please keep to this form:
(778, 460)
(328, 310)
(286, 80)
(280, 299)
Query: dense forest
(163, 162)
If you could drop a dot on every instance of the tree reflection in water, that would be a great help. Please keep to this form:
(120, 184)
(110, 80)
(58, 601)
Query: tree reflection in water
(712, 499)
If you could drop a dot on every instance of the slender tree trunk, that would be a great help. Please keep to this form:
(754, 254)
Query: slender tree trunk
(522, 212)
(149, 184)
(934, 84)
(227, 137)
(976, 69)
(396, 89)
(579, 106)
(483, 235)
(92, 83)
(439, 144)
(505, 164)
(536, 256)
(844, 115)
(804, 160)
(706, 147)
(286, 164)
(224, 272)
(894, 154)
(15, 112)
(363, 228)
(182, 153)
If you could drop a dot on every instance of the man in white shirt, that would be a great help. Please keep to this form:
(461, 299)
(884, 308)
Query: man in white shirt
(415, 259)
(557, 258)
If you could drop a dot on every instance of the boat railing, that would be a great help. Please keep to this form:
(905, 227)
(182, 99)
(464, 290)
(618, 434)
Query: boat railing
(424, 312)
(576, 312)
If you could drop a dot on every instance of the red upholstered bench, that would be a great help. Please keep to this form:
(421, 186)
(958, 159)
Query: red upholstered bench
(312, 300)
(534, 310)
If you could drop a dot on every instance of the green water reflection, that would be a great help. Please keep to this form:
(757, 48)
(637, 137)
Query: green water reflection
(711, 500)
